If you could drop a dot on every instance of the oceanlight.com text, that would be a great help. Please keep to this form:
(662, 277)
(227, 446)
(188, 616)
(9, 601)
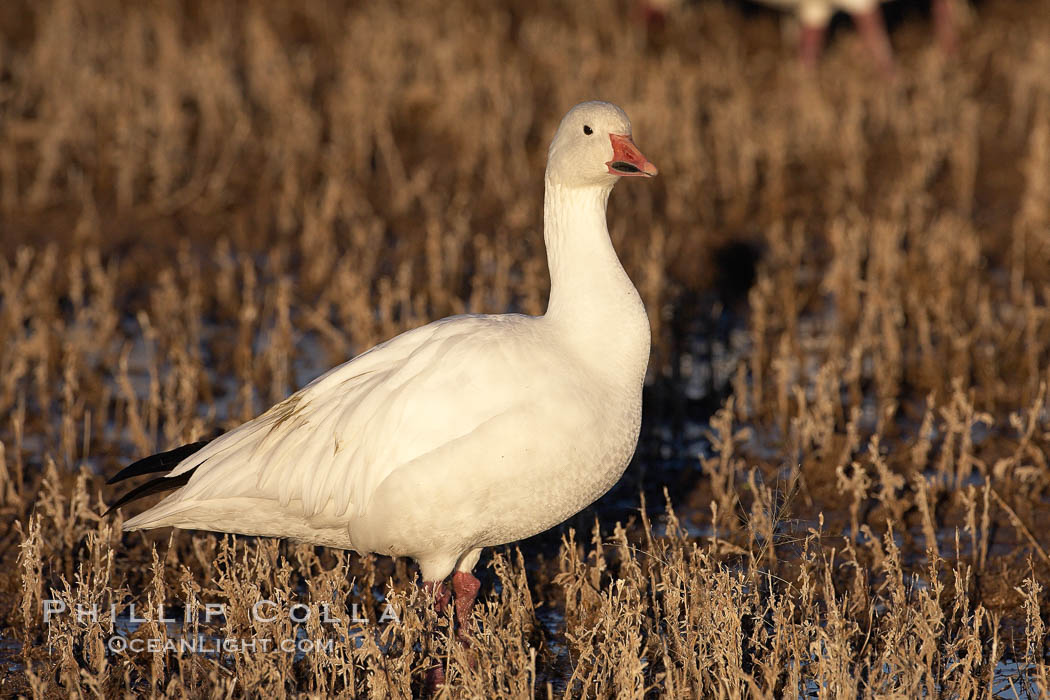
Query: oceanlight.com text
(201, 644)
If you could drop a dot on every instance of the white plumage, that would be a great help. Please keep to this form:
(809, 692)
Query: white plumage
(468, 432)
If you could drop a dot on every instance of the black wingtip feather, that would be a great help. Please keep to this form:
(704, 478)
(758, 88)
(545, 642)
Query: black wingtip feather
(160, 462)
(153, 486)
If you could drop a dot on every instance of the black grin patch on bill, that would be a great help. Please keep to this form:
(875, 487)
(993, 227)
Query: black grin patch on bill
(624, 167)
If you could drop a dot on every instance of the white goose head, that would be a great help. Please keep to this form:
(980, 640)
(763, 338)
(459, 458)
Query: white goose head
(593, 147)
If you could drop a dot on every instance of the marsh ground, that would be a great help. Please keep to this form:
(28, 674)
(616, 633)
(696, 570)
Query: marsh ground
(842, 486)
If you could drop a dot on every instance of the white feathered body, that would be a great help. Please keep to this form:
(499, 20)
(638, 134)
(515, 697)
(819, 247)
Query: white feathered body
(392, 452)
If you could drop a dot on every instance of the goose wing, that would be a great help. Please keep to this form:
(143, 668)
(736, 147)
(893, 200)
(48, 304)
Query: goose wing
(326, 448)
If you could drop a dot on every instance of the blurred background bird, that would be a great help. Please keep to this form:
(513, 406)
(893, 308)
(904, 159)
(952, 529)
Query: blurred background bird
(814, 17)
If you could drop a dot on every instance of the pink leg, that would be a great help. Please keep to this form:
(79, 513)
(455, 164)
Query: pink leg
(436, 673)
(811, 45)
(873, 32)
(944, 25)
(653, 16)
(435, 679)
(466, 586)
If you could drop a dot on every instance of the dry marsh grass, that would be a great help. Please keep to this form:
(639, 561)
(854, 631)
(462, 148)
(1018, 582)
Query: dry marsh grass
(204, 205)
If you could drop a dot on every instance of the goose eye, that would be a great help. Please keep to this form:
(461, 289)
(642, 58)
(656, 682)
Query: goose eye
(587, 130)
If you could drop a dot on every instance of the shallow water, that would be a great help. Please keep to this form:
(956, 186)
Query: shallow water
(669, 453)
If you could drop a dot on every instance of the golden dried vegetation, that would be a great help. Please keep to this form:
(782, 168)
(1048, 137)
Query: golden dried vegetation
(203, 205)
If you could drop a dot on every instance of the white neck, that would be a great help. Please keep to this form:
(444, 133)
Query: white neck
(592, 298)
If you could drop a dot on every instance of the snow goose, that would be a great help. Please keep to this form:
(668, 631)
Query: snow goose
(468, 432)
(815, 16)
